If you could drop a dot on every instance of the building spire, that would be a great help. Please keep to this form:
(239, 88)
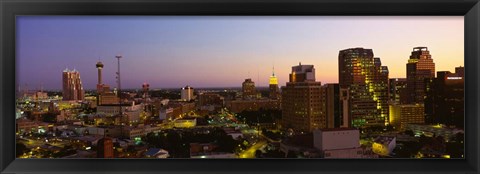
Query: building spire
(273, 70)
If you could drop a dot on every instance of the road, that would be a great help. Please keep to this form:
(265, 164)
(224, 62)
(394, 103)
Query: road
(250, 152)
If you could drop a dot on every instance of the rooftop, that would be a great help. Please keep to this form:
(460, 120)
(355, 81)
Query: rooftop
(384, 139)
(336, 129)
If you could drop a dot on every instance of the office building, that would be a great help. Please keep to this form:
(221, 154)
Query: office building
(444, 102)
(187, 93)
(72, 85)
(397, 86)
(302, 73)
(402, 114)
(248, 89)
(238, 106)
(340, 143)
(344, 99)
(420, 66)
(210, 99)
(301, 101)
(130, 111)
(331, 105)
(335, 105)
(367, 82)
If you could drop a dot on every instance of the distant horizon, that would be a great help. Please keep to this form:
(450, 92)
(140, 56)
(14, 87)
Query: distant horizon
(154, 88)
(168, 88)
(170, 52)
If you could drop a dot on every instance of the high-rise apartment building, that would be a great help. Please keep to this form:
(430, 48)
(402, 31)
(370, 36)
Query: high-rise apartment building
(72, 85)
(367, 83)
(301, 101)
(420, 66)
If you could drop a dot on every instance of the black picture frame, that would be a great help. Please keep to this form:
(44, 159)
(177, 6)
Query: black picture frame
(470, 9)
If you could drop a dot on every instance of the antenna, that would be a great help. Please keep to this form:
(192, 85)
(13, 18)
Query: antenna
(273, 70)
(273, 67)
(119, 92)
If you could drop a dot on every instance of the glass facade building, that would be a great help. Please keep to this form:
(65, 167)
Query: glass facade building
(367, 82)
(420, 66)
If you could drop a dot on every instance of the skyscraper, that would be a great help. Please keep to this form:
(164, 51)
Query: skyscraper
(301, 101)
(273, 85)
(444, 102)
(72, 85)
(397, 88)
(367, 82)
(420, 66)
(331, 107)
(302, 73)
(248, 89)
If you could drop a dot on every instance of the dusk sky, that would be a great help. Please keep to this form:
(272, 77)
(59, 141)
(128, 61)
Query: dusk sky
(174, 51)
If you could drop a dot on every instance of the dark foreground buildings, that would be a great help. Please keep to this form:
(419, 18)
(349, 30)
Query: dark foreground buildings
(444, 102)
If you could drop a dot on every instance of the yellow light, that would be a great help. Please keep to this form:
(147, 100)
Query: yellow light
(446, 156)
(273, 80)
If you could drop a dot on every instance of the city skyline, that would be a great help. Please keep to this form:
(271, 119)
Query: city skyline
(199, 51)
